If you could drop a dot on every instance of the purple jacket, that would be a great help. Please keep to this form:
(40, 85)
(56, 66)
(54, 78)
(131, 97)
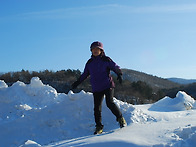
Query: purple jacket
(99, 70)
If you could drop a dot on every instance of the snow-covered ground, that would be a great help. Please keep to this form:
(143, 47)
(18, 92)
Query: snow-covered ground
(36, 115)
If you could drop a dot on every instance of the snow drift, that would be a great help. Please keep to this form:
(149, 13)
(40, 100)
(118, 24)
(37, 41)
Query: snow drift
(35, 114)
(180, 103)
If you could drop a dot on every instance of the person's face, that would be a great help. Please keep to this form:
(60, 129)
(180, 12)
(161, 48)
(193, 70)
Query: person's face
(96, 52)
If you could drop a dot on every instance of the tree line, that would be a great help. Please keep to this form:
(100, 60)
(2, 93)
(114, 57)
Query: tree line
(132, 92)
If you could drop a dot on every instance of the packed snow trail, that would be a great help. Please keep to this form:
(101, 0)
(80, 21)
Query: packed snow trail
(35, 114)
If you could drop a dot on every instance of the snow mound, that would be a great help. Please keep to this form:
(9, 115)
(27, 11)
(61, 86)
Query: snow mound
(30, 143)
(3, 84)
(36, 82)
(35, 114)
(35, 94)
(16, 100)
(36, 109)
(181, 102)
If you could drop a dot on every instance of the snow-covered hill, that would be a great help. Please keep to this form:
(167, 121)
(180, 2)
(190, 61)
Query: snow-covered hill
(182, 81)
(36, 115)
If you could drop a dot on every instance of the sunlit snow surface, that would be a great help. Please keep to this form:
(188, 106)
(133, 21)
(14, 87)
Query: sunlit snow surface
(36, 115)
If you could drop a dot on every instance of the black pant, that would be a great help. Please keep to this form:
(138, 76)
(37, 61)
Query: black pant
(98, 99)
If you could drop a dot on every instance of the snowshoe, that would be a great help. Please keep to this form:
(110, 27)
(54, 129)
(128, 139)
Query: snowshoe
(98, 130)
(122, 122)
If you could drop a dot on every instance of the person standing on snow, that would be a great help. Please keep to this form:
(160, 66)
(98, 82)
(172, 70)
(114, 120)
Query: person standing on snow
(98, 68)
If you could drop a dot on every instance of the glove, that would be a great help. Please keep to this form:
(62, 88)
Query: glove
(75, 84)
(119, 78)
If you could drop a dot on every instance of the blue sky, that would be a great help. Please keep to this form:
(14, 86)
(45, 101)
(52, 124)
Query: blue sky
(153, 36)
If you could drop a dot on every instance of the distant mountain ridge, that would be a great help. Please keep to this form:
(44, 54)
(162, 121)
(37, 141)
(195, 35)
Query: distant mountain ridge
(182, 81)
(171, 85)
(154, 81)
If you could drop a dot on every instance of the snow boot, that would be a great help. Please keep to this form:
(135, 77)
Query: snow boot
(122, 122)
(98, 129)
